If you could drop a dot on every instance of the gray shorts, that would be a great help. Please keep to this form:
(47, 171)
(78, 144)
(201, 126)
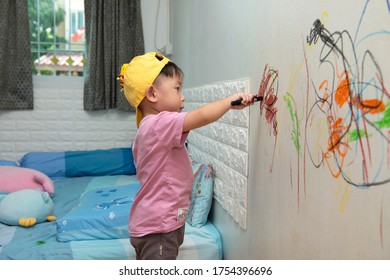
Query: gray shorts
(158, 246)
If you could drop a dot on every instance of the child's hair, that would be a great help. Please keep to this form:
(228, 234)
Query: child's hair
(171, 70)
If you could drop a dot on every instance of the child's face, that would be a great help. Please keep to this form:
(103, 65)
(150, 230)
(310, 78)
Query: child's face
(169, 95)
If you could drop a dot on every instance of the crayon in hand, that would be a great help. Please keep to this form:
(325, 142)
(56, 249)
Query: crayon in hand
(238, 101)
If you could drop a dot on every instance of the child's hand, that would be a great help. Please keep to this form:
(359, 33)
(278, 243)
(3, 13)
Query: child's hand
(245, 98)
(211, 112)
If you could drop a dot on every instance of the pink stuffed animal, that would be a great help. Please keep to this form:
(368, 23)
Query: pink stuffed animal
(14, 178)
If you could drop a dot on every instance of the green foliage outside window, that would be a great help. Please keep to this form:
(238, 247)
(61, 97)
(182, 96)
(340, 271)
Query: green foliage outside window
(54, 51)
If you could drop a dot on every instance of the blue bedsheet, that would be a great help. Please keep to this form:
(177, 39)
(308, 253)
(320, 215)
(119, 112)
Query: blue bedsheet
(41, 241)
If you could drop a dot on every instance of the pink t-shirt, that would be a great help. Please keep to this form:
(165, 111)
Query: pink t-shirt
(165, 173)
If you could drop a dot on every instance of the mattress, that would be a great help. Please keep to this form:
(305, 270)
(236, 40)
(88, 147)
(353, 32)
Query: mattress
(92, 215)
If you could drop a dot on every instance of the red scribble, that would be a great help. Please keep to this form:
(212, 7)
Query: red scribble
(268, 89)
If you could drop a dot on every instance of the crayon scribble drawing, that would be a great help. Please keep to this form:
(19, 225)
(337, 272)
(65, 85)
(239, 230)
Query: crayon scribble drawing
(268, 89)
(339, 107)
(355, 104)
(295, 134)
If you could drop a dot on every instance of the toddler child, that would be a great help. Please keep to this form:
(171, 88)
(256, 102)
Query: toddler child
(153, 85)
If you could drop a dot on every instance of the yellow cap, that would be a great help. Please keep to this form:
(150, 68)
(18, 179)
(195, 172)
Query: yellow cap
(137, 75)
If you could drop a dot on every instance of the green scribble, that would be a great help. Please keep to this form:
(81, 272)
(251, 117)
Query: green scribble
(295, 132)
(385, 121)
(40, 242)
(355, 134)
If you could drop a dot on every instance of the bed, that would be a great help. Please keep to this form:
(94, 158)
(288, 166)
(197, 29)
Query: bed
(92, 197)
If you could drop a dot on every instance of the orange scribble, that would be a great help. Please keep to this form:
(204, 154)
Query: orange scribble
(369, 106)
(342, 93)
(335, 174)
(336, 146)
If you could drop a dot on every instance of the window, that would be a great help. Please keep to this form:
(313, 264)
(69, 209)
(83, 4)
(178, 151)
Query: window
(57, 37)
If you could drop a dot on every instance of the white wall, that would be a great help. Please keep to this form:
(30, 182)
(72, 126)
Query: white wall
(295, 209)
(156, 25)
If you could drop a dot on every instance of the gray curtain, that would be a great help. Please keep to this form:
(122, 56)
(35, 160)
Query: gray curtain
(113, 36)
(16, 88)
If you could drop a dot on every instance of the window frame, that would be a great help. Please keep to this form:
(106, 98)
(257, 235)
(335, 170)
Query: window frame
(69, 47)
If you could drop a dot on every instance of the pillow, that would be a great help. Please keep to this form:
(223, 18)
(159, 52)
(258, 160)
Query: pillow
(202, 194)
(8, 163)
(14, 178)
(50, 163)
(116, 161)
(101, 214)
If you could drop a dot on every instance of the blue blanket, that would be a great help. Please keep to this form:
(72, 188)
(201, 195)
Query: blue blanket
(75, 195)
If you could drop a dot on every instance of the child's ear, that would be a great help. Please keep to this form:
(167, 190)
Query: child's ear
(150, 93)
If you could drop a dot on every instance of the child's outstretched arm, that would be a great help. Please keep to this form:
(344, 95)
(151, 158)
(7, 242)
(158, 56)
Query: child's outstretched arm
(213, 111)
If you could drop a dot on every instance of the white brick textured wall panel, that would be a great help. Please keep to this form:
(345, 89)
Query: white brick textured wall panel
(233, 189)
(234, 136)
(31, 125)
(24, 147)
(234, 117)
(56, 105)
(8, 147)
(225, 145)
(218, 188)
(230, 156)
(58, 122)
(208, 93)
(6, 125)
(14, 136)
(226, 173)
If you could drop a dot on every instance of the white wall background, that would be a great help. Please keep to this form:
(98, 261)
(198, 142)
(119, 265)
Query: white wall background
(295, 210)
